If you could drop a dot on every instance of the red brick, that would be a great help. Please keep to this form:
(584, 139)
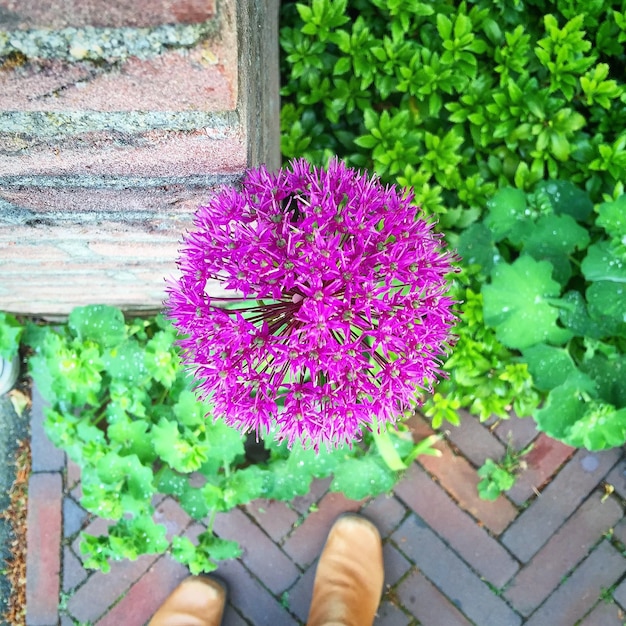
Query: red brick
(418, 595)
(155, 153)
(274, 517)
(250, 598)
(451, 575)
(460, 480)
(307, 541)
(542, 462)
(171, 515)
(580, 592)
(458, 529)
(43, 559)
(146, 595)
(558, 501)
(27, 14)
(386, 512)
(605, 614)
(260, 555)
(474, 439)
(562, 553)
(107, 588)
(516, 431)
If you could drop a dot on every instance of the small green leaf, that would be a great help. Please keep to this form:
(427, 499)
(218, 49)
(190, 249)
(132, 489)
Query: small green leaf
(363, 477)
(603, 263)
(100, 323)
(567, 199)
(612, 217)
(10, 333)
(507, 212)
(549, 366)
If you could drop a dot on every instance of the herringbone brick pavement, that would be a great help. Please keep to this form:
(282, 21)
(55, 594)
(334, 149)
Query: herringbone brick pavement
(549, 553)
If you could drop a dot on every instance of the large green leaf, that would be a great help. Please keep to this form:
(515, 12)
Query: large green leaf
(508, 214)
(566, 198)
(607, 301)
(612, 217)
(574, 315)
(363, 477)
(604, 262)
(519, 304)
(548, 365)
(475, 246)
(100, 323)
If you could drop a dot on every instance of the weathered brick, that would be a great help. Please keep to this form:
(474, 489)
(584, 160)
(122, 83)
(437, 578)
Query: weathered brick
(459, 530)
(620, 594)
(558, 501)
(386, 512)
(232, 618)
(250, 598)
(617, 478)
(260, 555)
(389, 614)
(307, 541)
(542, 462)
(517, 432)
(46, 457)
(579, 593)
(418, 595)
(474, 439)
(107, 588)
(396, 565)
(451, 575)
(460, 479)
(299, 596)
(74, 516)
(605, 614)
(146, 595)
(28, 14)
(561, 553)
(43, 559)
(171, 515)
(74, 573)
(276, 518)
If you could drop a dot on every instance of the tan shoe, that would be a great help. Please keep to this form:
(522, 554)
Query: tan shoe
(197, 601)
(349, 578)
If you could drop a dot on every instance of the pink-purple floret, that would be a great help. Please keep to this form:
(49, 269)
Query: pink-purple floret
(341, 309)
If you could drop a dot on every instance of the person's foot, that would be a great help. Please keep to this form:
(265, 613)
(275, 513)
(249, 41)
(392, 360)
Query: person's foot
(197, 601)
(349, 578)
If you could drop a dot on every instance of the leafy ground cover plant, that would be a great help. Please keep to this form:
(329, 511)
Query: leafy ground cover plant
(500, 476)
(555, 292)
(121, 406)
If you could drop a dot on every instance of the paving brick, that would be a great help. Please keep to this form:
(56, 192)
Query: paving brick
(474, 439)
(146, 595)
(74, 517)
(619, 594)
(43, 559)
(460, 531)
(617, 478)
(299, 596)
(396, 564)
(460, 479)
(72, 474)
(74, 573)
(307, 541)
(605, 614)
(107, 588)
(56, 14)
(276, 518)
(171, 515)
(419, 596)
(561, 553)
(386, 512)
(389, 614)
(558, 501)
(232, 618)
(619, 532)
(579, 593)
(451, 575)
(46, 457)
(542, 462)
(319, 486)
(516, 431)
(250, 598)
(96, 527)
(260, 555)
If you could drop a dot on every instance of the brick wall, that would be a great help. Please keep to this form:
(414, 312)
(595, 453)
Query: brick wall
(117, 119)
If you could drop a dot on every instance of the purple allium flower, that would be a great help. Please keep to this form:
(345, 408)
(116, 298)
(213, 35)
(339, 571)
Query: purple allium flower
(339, 313)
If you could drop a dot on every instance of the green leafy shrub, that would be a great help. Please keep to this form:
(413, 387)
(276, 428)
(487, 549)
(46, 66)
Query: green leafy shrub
(10, 334)
(556, 293)
(457, 99)
(121, 406)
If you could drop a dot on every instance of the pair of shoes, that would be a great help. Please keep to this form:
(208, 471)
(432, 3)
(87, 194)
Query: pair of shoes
(346, 592)
(349, 578)
(197, 601)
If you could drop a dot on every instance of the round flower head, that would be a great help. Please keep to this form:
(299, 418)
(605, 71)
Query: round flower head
(339, 314)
